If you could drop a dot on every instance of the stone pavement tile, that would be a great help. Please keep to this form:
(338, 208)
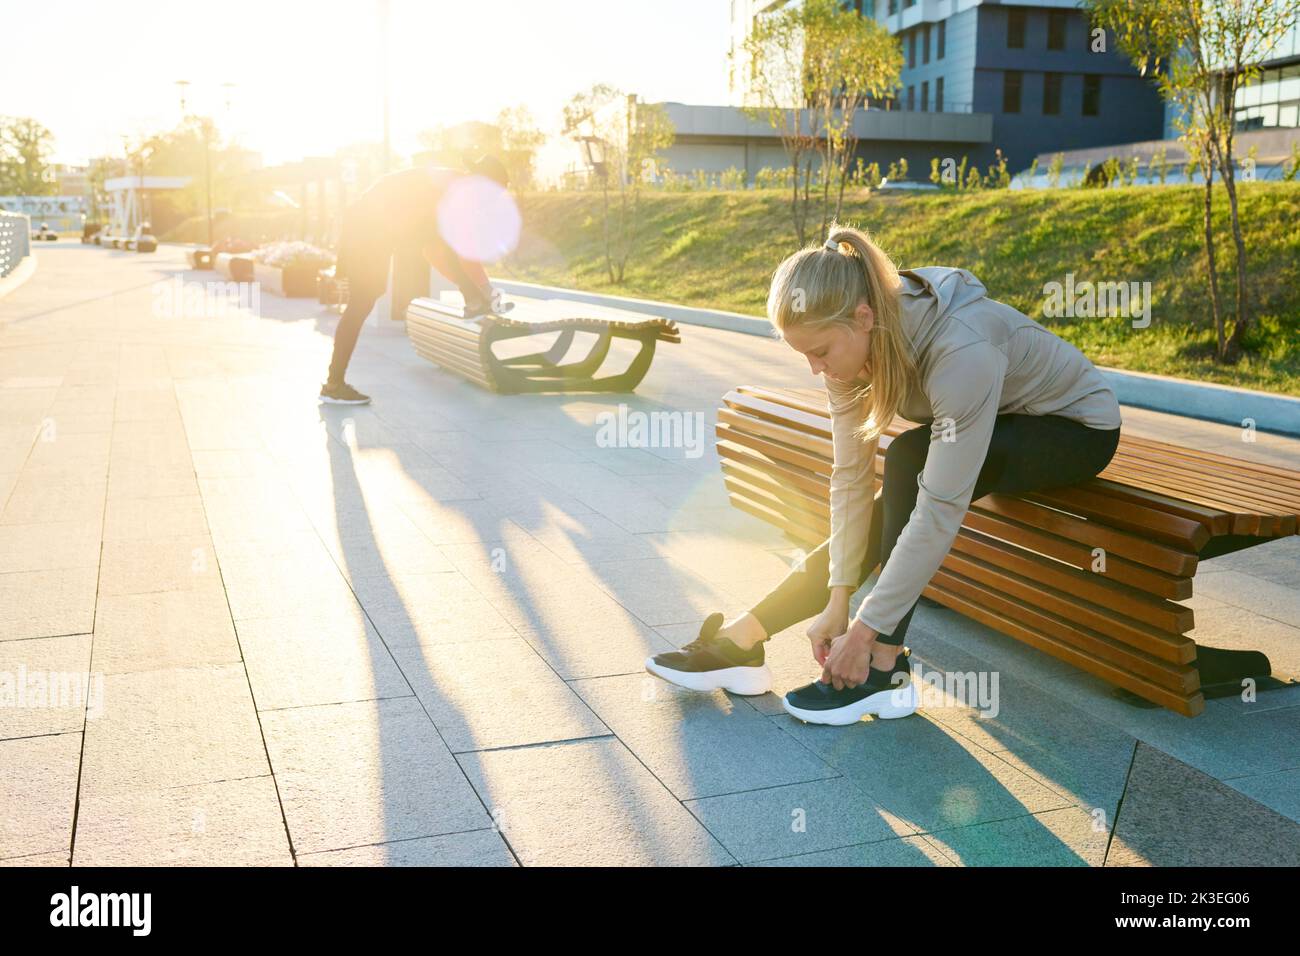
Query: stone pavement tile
(899, 851)
(38, 791)
(587, 803)
(298, 661)
(808, 817)
(1278, 791)
(147, 565)
(258, 588)
(635, 462)
(602, 643)
(138, 481)
(88, 450)
(64, 422)
(363, 556)
(698, 745)
(495, 694)
(39, 499)
(473, 521)
(15, 447)
(659, 590)
(39, 859)
(923, 772)
(1064, 748)
(1281, 602)
(46, 686)
(164, 629)
(587, 540)
(1174, 815)
(134, 518)
(474, 848)
(170, 728)
(415, 609)
(1277, 561)
(7, 482)
(1237, 628)
(235, 463)
(361, 773)
(1071, 836)
(49, 547)
(224, 823)
(47, 603)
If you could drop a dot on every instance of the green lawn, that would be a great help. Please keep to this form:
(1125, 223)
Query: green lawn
(718, 250)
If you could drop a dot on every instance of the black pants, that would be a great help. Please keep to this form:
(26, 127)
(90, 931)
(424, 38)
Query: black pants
(365, 250)
(1026, 453)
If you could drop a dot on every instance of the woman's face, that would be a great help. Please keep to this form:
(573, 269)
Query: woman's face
(839, 351)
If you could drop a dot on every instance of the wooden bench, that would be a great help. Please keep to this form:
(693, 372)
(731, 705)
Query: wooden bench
(441, 334)
(1022, 564)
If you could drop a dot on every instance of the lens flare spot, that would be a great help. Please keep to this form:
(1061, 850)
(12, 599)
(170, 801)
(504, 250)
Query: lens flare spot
(479, 219)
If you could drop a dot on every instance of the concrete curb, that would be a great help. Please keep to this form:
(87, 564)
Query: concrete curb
(1205, 400)
(731, 321)
(13, 280)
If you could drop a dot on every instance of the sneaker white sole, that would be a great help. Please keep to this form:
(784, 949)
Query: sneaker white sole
(745, 681)
(343, 401)
(886, 704)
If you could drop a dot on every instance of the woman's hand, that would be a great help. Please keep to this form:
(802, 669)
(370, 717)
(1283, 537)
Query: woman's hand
(849, 661)
(830, 624)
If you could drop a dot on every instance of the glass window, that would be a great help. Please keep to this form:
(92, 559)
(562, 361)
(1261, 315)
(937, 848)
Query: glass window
(1287, 115)
(1268, 86)
(911, 97)
(938, 55)
(1016, 28)
(938, 95)
(1011, 91)
(911, 49)
(925, 96)
(1288, 87)
(1269, 112)
(1250, 95)
(925, 44)
(1051, 94)
(1056, 30)
(1091, 94)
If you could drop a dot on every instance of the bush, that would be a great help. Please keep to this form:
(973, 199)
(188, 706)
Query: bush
(284, 255)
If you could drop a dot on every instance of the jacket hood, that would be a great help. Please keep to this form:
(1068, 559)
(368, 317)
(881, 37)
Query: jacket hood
(928, 295)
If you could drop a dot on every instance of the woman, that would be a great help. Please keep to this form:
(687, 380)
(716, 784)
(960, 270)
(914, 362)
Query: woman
(1005, 406)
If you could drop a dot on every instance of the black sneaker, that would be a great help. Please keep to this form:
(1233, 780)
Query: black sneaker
(711, 662)
(342, 393)
(886, 694)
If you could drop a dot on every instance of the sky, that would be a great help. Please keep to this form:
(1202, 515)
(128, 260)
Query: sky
(307, 74)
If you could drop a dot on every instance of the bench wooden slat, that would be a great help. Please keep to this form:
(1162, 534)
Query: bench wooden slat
(1188, 705)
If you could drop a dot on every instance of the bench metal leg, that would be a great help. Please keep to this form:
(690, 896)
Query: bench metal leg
(1218, 665)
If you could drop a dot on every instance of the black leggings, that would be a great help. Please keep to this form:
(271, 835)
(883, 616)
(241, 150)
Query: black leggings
(1026, 453)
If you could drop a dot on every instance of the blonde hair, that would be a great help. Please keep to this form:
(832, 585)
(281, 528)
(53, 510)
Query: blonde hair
(820, 286)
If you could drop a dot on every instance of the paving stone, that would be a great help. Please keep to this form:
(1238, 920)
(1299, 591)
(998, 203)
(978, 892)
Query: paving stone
(47, 603)
(495, 694)
(46, 686)
(49, 547)
(224, 823)
(1174, 815)
(38, 791)
(371, 772)
(587, 803)
(164, 629)
(475, 848)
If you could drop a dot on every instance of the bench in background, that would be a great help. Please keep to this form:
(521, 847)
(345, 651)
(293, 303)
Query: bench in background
(441, 334)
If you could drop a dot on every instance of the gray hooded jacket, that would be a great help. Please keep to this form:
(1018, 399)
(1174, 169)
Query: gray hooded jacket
(976, 358)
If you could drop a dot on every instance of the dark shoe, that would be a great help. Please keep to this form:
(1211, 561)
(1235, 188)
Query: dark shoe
(711, 662)
(886, 694)
(341, 393)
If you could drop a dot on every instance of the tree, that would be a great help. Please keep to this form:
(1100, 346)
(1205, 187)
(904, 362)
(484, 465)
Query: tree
(812, 68)
(520, 139)
(627, 135)
(1202, 52)
(25, 147)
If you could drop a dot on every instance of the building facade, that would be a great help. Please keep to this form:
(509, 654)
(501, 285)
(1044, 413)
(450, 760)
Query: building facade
(1044, 76)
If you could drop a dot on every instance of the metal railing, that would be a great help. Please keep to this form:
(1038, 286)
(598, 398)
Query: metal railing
(15, 240)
